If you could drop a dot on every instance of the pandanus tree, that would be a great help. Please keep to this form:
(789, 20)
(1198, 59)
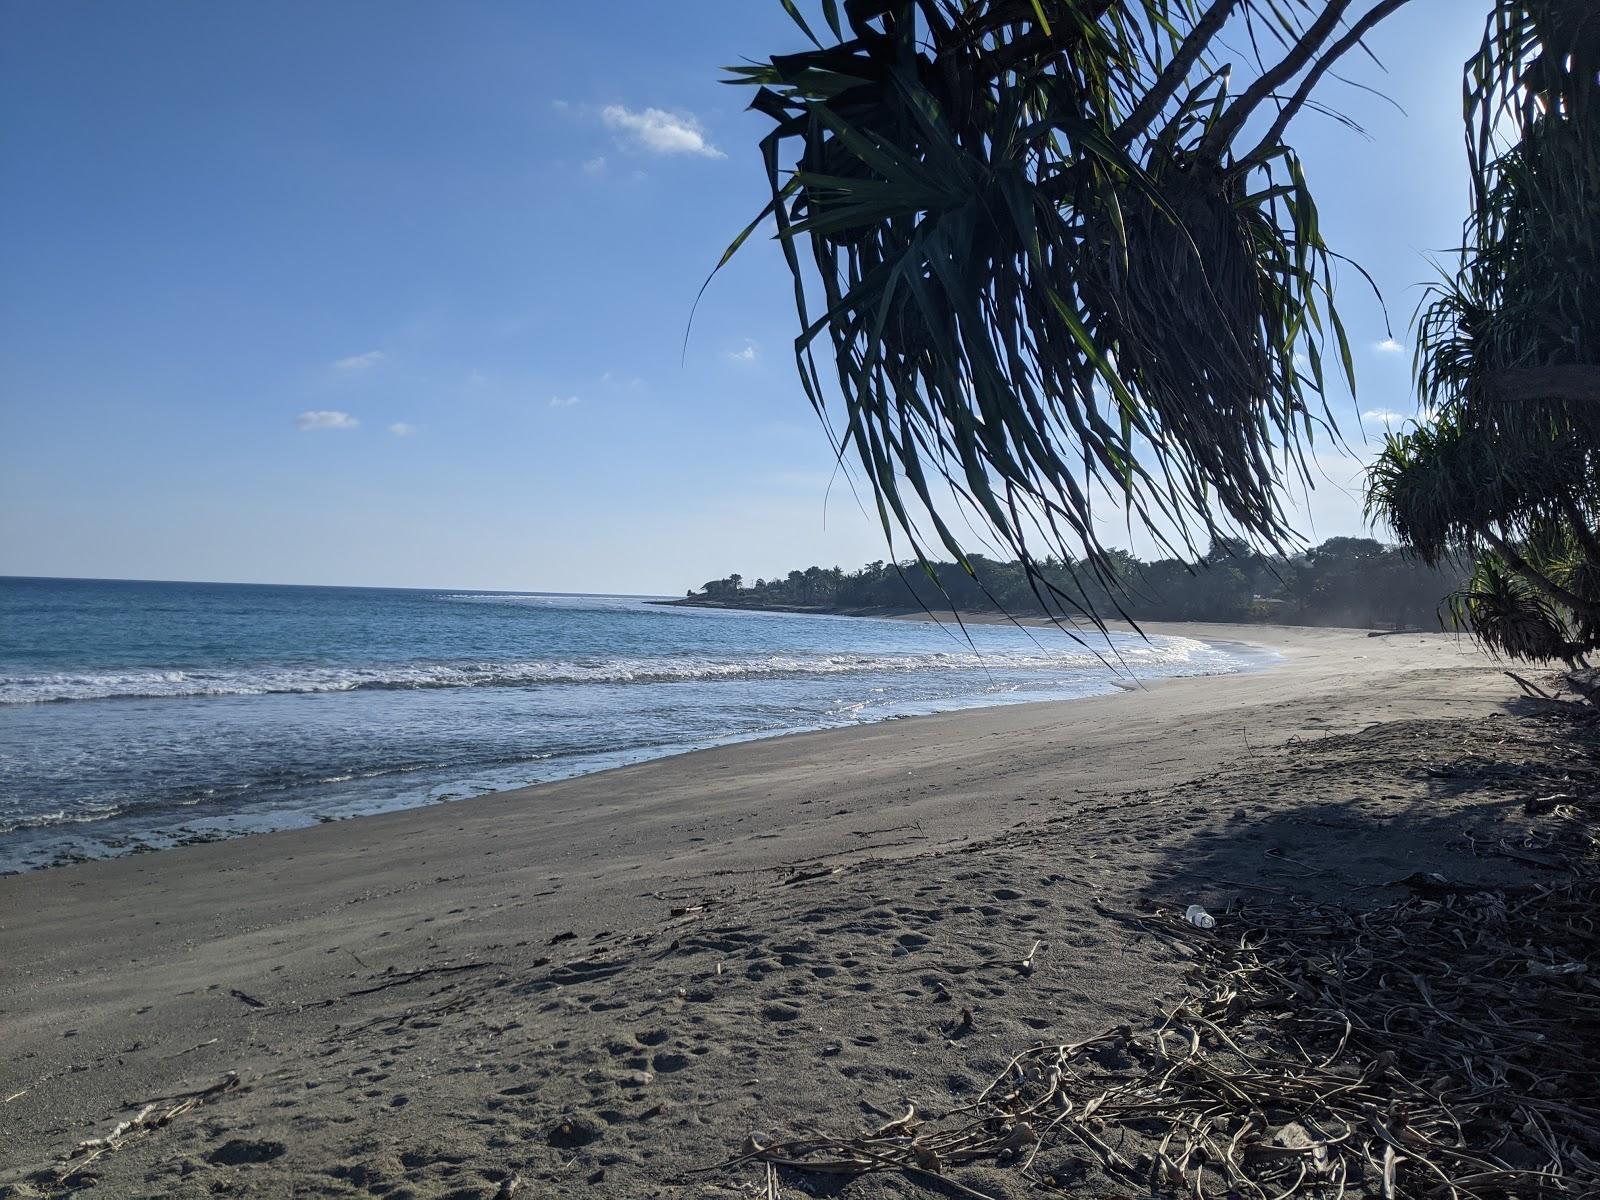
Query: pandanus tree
(1054, 264)
(1056, 267)
(1504, 470)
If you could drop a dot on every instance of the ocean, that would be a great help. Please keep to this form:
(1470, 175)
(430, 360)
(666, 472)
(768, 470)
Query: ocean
(138, 715)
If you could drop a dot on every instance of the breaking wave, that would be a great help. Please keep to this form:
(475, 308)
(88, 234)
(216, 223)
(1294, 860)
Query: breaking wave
(1163, 654)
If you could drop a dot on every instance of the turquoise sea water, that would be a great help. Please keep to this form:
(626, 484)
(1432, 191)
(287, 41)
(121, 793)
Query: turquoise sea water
(141, 713)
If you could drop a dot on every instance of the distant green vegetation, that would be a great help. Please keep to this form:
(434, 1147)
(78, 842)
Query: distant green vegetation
(1344, 581)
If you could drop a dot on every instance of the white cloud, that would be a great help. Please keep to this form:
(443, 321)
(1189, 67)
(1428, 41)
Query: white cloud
(402, 429)
(749, 354)
(359, 362)
(321, 418)
(660, 132)
(1387, 416)
(595, 165)
(565, 401)
(1389, 346)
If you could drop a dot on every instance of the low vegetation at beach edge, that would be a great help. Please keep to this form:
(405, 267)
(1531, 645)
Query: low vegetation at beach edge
(1351, 582)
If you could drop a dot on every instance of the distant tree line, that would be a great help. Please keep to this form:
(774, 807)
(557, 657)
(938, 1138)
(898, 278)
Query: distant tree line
(1344, 581)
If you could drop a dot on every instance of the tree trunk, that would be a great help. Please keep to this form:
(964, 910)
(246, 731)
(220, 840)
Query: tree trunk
(1581, 607)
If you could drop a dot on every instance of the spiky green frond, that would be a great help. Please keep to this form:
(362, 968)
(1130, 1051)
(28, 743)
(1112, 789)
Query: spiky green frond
(1036, 275)
(1441, 484)
(1506, 466)
(1522, 298)
(1510, 616)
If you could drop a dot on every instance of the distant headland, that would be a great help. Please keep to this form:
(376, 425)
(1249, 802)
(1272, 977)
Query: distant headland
(1344, 581)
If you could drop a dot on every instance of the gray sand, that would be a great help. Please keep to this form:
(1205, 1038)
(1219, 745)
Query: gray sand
(597, 986)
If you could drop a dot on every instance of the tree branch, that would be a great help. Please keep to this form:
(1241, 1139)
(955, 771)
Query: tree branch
(1171, 79)
(1335, 52)
(1581, 607)
(1220, 135)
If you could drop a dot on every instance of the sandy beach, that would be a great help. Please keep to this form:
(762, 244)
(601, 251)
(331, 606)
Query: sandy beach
(602, 986)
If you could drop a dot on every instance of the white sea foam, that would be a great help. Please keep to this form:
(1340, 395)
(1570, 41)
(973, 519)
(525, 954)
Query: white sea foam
(86, 815)
(1163, 655)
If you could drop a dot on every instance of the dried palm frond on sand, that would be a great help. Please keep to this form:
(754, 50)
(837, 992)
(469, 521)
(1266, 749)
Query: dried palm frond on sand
(1442, 1045)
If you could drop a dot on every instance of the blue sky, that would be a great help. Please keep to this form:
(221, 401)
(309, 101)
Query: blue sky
(394, 294)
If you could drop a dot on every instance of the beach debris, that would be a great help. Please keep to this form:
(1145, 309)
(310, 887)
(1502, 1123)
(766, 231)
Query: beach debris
(561, 937)
(1199, 917)
(1441, 1045)
(247, 998)
(899, 1124)
(393, 978)
(153, 1115)
(1554, 970)
(1539, 806)
(1528, 688)
(803, 876)
(1026, 965)
(508, 1187)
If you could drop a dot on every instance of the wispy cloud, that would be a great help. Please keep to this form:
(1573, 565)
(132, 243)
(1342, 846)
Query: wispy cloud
(595, 165)
(1389, 346)
(748, 354)
(402, 429)
(359, 362)
(1387, 416)
(323, 418)
(565, 401)
(659, 131)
